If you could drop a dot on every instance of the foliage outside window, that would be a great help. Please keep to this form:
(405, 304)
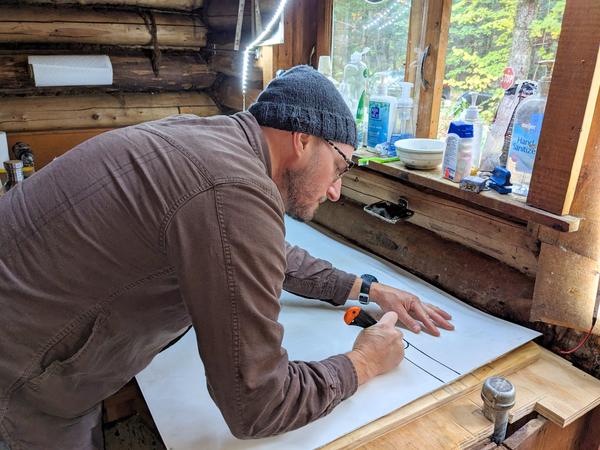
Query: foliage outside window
(485, 37)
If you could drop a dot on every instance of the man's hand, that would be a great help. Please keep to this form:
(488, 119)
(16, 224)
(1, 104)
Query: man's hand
(377, 349)
(410, 309)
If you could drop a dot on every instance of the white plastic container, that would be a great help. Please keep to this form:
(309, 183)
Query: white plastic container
(472, 117)
(4, 156)
(458, 155)
(382, 114)
(403, 124)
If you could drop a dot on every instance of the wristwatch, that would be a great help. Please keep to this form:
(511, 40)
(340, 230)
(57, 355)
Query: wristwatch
(365, 287)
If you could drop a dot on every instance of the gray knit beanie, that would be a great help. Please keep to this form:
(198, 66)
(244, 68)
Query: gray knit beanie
(304, 100)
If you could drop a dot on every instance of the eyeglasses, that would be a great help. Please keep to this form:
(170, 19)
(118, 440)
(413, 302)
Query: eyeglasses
(349, 163)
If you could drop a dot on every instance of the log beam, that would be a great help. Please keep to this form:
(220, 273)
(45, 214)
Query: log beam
(133, 73)
(509, 242)
(38, 24)
(469, 275)
(228, 93)
(182, 5)
(98, 111)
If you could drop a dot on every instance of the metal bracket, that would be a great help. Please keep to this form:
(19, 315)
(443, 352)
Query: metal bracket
(390, 212)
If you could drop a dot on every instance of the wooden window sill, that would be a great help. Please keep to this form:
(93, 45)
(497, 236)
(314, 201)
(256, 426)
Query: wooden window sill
(509, 205)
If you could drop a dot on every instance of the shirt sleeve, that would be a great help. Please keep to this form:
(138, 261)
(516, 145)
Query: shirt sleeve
(227, 247)
(311, 277)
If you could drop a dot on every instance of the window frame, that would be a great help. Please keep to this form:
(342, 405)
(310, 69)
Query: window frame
(556, 169)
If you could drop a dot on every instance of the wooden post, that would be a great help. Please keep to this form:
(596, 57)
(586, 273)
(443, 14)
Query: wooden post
(300, 35)
(567, 282)
(436, 39)
(569, 109)
(324, 28)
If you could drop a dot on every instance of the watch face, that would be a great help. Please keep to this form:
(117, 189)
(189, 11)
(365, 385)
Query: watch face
(369, 278)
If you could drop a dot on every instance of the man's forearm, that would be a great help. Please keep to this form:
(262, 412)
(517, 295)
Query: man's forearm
(355, 289)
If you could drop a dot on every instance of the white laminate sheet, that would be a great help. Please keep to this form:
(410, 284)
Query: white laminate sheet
(174, 383)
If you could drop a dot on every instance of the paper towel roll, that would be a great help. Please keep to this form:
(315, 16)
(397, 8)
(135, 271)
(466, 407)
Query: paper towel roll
(3, 148)
(71, 70)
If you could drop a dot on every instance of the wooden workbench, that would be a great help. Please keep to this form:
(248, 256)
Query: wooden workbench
(557, 407)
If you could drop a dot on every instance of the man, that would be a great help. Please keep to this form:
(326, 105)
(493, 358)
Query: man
(116, 248)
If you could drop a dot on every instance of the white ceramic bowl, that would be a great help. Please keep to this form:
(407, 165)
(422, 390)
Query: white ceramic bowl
(420, 153)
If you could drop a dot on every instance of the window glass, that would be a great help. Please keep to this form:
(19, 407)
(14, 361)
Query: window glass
(380, 26)
(488, 36)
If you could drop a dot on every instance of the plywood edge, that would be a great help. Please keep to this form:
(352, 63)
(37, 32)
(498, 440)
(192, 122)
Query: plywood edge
(513, 361)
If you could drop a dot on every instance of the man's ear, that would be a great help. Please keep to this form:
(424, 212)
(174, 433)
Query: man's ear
(300, 143)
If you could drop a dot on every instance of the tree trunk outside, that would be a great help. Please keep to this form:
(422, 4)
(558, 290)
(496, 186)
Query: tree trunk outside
(521, 50)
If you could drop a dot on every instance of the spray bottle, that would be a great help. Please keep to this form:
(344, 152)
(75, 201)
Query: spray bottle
(472, 116)
(382, 112)
(403, 124)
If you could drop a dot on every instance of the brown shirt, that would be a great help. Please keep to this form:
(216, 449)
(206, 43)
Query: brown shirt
(116, 247)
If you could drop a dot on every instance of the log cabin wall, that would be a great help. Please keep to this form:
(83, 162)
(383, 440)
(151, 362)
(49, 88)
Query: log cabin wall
(157, 49)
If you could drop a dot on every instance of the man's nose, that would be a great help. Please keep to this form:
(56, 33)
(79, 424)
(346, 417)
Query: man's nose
(334, 191)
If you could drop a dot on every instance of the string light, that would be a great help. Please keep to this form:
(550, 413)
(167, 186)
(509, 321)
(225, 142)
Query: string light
(261, 37)
(384, 15)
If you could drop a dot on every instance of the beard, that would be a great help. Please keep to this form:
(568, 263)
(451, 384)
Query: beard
(300, 193)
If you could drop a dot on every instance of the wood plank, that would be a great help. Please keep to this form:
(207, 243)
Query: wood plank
(508, 205)
(38, 24)
(185, 5)
(539, 433)
(47, 145)
(415, 31)
(490, 285)
(509, 242)
(436, 37)
(573, 301)
(566, 289)
(460, 423)
(452, 394)
(591, 441)
(300, 35)
(567, 117)
(177, 72)
(98, 111)
(324, 20)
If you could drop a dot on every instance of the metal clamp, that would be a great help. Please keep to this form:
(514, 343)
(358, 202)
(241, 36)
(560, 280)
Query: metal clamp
(390, 212)
(498, 395)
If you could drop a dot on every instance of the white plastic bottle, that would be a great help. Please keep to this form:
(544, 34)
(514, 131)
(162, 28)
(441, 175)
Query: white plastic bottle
(403, 124)
(458, 154)
(354, 91)
(382, 114)
(325, 68)
(472, 116)
(525, 137)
